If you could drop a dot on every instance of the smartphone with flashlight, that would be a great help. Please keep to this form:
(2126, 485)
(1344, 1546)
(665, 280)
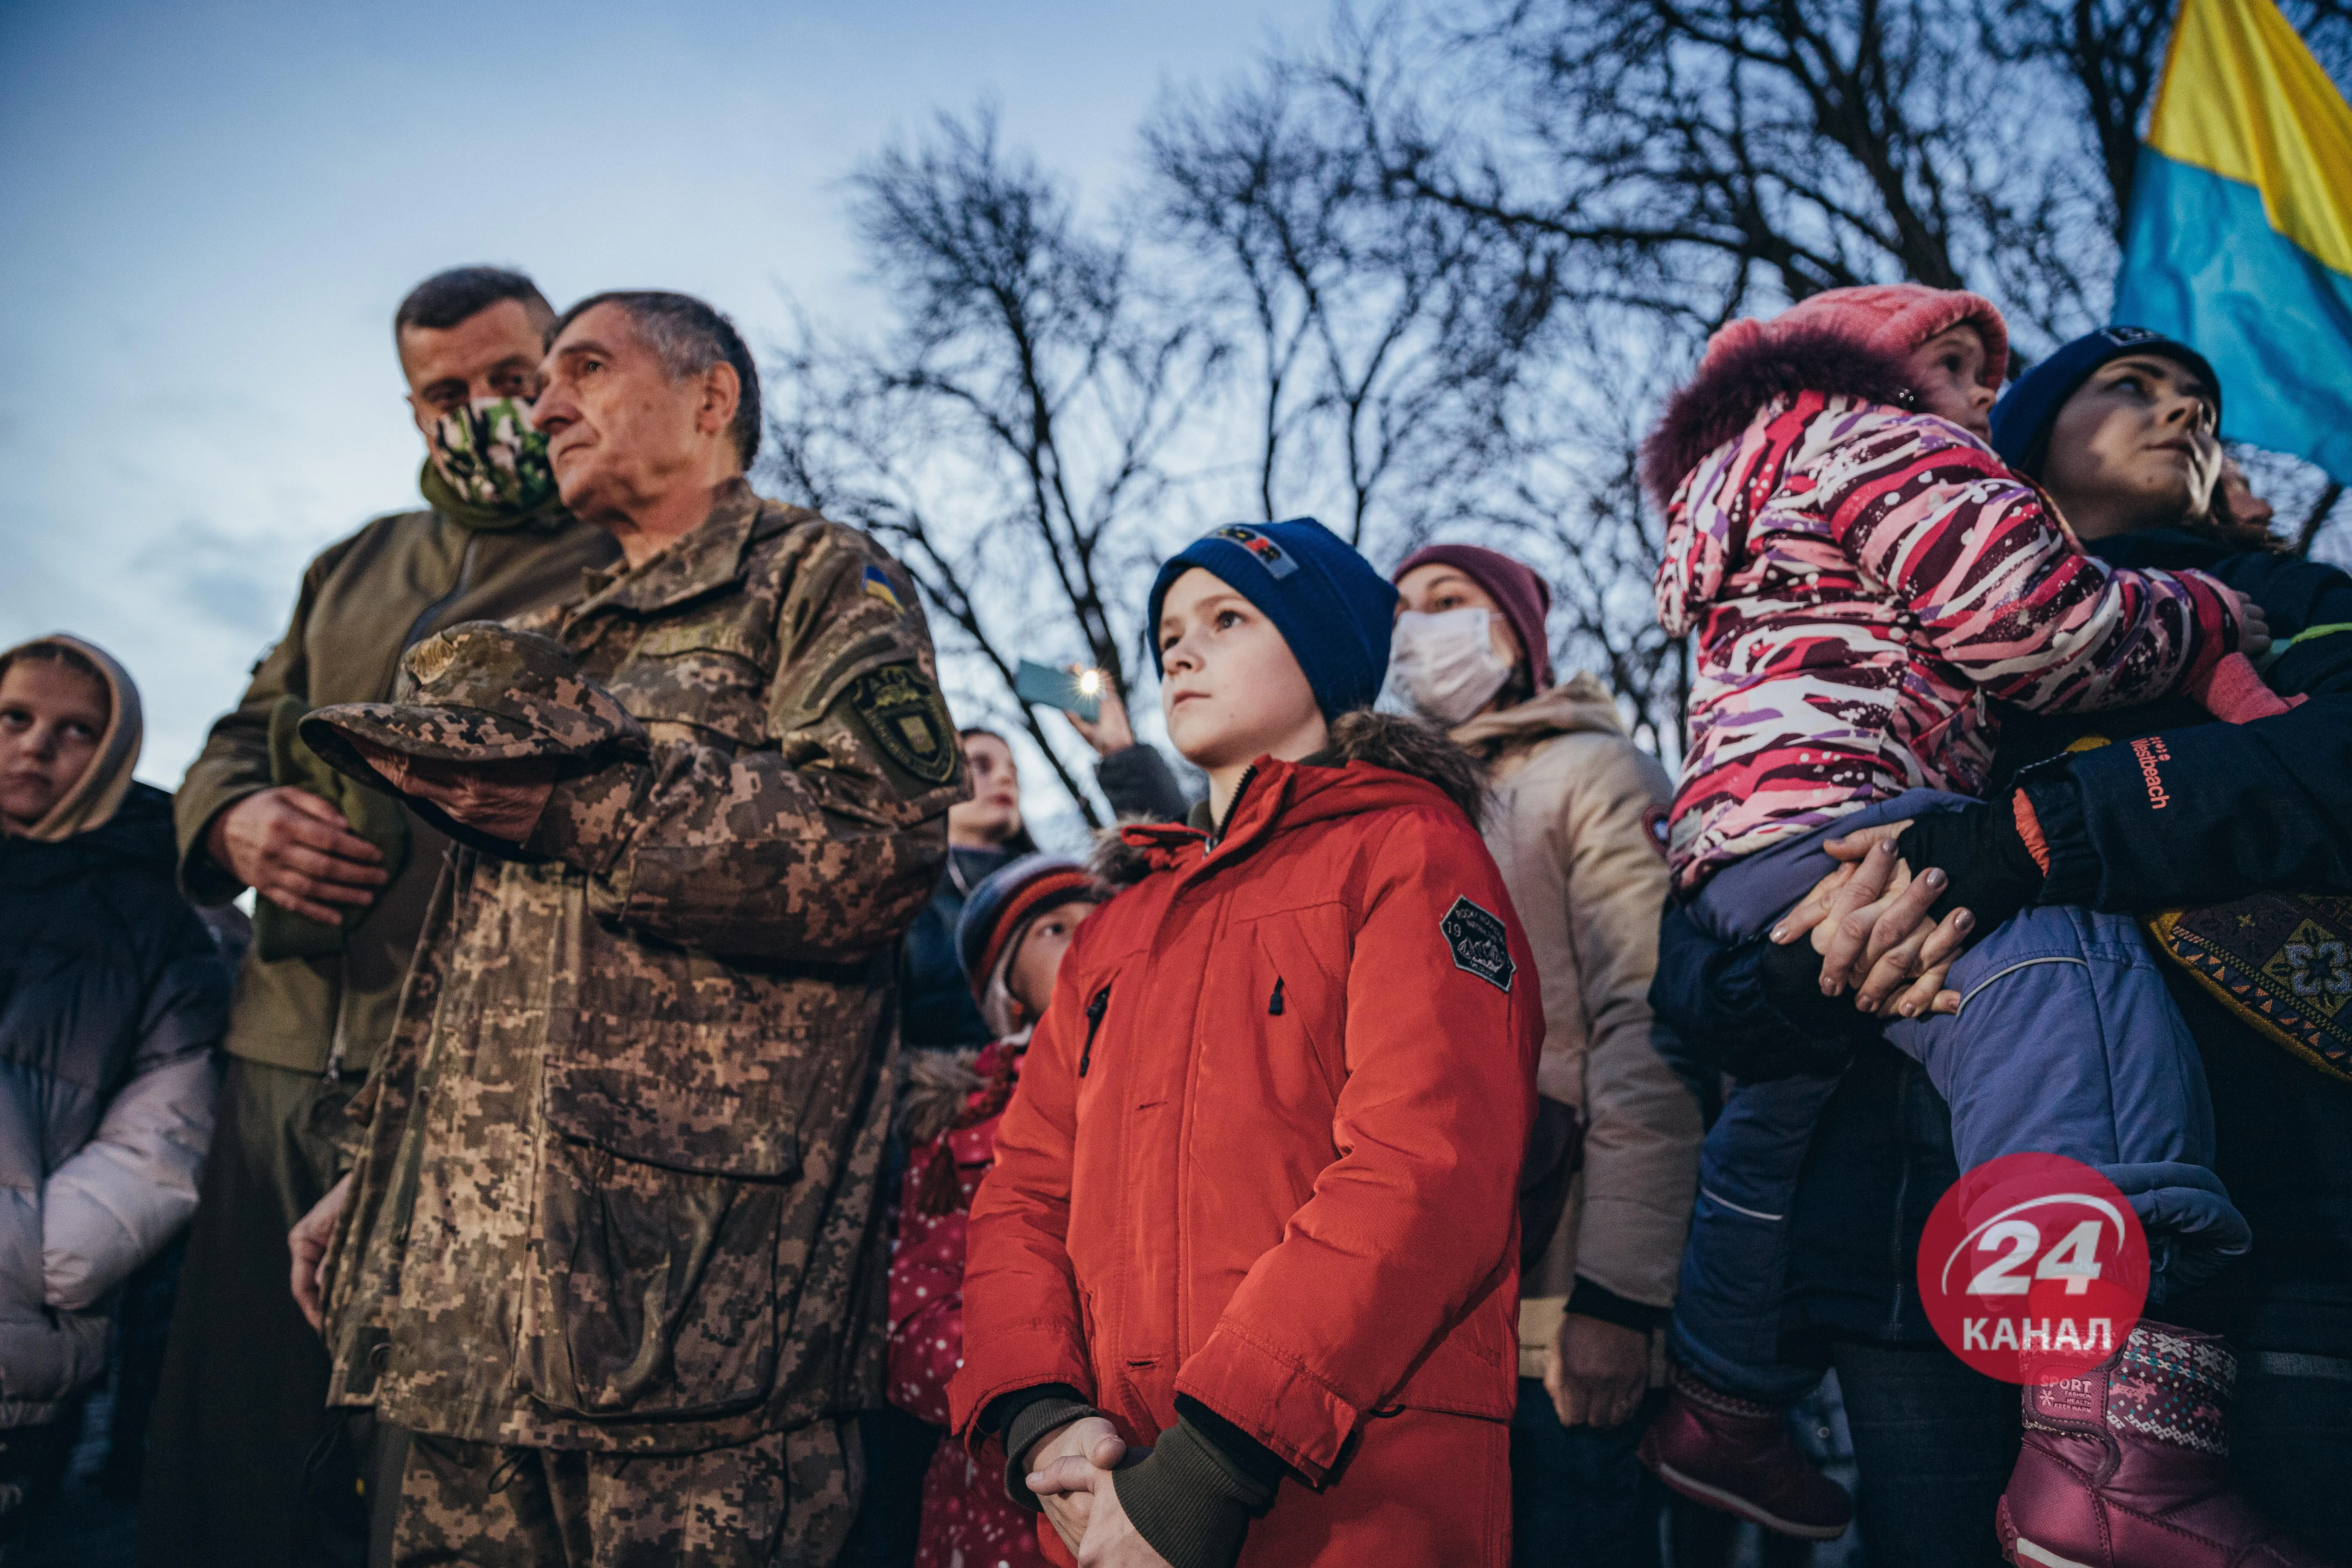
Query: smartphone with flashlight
(1079, 692)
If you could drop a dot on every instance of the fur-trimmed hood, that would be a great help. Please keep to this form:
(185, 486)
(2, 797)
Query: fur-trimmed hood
(937, 1085)
(1412, 746)
(1741, 377)
(1316, 787)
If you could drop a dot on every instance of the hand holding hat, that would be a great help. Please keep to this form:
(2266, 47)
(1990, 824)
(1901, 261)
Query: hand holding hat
(501, 799)
(491, 719)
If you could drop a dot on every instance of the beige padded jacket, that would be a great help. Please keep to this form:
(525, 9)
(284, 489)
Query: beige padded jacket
(1568, 828)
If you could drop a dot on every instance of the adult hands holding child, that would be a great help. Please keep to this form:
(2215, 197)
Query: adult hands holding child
(1871, 922)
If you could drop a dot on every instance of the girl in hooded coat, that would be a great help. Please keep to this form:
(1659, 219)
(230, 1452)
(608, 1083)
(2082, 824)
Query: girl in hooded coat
(1254, 1202)
(112, 995)
(1865, 578)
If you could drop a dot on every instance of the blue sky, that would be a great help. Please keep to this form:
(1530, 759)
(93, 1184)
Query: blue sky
(214, 208)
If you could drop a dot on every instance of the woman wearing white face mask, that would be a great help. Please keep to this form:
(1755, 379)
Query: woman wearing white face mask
(1570, 829)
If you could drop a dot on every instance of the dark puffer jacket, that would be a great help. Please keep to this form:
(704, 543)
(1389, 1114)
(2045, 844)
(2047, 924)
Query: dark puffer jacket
(112, 996)
(936, 1009)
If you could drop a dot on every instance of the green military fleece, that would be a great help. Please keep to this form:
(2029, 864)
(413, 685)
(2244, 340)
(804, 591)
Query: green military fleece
(364, 600)
(616, 1182)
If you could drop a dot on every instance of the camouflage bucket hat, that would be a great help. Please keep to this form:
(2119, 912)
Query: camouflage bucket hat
(479, 692)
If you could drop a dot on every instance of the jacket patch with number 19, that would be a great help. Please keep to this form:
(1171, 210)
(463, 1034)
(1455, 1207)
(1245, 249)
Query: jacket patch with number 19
(1480, 941)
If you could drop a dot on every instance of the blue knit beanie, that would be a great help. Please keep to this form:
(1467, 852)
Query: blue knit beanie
(1325, 600)
(2022, 420)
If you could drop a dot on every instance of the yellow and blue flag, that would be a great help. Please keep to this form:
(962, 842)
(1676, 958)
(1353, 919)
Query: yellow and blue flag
(877, 586)
(2239, 242)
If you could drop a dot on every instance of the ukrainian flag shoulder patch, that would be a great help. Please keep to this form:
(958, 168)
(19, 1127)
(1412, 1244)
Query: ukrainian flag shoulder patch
(880, 587)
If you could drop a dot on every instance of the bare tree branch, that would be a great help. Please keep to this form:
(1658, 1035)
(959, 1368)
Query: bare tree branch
(1432, 272)
(1010, 438)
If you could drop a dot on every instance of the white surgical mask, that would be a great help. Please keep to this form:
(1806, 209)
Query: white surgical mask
(1445, 665)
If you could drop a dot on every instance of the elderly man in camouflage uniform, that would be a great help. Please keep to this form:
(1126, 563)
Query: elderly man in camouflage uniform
(611, 1248)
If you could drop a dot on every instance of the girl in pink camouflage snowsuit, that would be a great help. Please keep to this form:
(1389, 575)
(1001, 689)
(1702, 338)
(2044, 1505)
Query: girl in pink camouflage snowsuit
(1866, 578)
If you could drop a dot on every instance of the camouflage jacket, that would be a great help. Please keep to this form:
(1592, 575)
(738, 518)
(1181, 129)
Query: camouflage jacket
(615, 1187)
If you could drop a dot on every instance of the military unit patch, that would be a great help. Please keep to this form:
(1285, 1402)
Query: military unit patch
(2283, 961)
(904, 714)
(1481, 943)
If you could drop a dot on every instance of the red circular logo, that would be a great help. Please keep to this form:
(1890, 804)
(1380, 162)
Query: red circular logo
(2033, 1267)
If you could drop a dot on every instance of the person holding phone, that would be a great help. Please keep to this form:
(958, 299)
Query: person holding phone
(1134, 778)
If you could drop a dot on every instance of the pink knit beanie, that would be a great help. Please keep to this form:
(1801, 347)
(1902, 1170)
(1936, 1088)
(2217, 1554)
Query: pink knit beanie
(1893, 318)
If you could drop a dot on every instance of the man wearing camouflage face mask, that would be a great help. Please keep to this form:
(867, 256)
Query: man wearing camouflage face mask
(342, 876)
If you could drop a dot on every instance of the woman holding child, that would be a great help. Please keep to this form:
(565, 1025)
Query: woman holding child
(1258, 1241)
(1838, 497)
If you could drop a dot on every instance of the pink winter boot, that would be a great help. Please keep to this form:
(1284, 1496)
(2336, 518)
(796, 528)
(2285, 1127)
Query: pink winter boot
(2126, 1465)
(1736, 1455)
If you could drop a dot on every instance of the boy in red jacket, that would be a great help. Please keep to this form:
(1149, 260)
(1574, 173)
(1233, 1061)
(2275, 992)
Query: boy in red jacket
(1254, 1202)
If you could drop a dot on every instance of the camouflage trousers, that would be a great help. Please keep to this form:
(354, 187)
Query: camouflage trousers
(784, 1500)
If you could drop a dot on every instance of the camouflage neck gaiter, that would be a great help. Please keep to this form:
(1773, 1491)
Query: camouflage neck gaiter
(489, 458)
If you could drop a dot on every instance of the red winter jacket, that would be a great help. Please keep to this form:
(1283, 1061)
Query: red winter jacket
(1266, 1152)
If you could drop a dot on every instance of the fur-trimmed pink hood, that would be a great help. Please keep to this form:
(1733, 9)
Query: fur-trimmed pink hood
(1740, 377)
